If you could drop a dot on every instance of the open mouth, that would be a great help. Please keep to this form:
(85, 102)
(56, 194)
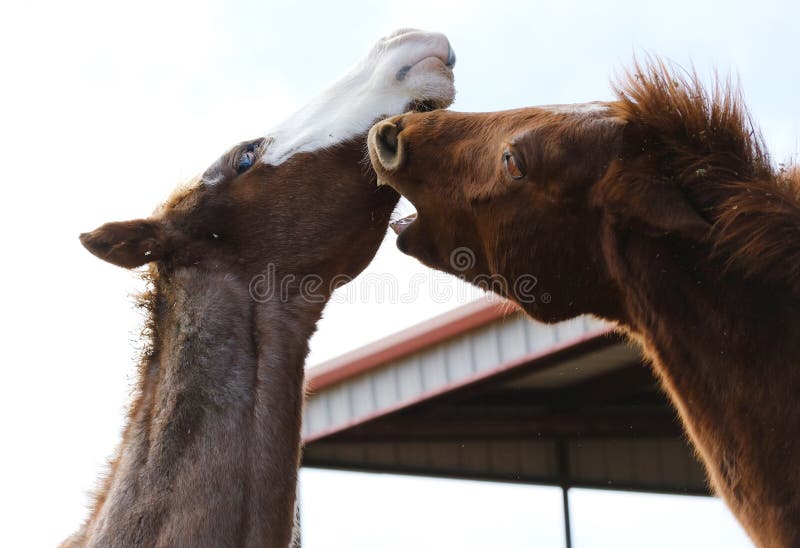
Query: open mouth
(400, 225)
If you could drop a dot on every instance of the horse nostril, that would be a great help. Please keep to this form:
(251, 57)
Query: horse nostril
(451, 57)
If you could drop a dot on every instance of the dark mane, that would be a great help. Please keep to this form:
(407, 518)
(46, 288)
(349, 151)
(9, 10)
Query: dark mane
(147, 303)
(705, 141)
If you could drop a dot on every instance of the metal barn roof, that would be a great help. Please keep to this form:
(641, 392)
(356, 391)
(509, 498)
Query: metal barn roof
(484, 392)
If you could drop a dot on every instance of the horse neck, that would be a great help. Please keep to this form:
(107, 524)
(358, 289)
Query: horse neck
(715, 341)
(211, 448)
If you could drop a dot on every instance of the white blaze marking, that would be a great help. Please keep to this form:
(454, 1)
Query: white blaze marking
(366, 93)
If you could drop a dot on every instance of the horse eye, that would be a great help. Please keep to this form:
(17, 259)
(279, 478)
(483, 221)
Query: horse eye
(246, 161)
(512, 166)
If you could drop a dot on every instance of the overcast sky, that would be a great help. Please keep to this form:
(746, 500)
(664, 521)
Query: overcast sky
(104, 107)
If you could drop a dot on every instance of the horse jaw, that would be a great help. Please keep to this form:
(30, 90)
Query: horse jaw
(406, 70)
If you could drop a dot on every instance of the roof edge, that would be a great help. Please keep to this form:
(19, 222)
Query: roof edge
(403, 343)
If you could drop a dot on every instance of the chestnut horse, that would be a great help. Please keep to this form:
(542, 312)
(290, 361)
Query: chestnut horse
(660, 211)
(241, 266)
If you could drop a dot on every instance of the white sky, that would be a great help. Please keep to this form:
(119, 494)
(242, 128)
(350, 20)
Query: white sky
(104, 107)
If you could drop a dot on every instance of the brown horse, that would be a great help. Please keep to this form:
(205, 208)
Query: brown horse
(241, 265)
(660, 211)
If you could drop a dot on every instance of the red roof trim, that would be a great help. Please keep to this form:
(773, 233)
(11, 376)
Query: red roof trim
(403, 343)
(541, 357)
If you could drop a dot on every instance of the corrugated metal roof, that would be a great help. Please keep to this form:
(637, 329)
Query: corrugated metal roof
(408, 341)
(474, 342)
(484, 392)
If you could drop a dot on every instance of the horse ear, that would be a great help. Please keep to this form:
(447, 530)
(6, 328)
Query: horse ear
(129, 243)
(661, 208)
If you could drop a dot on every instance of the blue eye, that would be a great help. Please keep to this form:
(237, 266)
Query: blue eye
(246, 161)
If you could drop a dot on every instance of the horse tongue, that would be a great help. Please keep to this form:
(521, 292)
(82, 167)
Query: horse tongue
(401, 224)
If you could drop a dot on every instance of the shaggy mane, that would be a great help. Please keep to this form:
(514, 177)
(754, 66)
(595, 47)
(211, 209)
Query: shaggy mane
(705, 141)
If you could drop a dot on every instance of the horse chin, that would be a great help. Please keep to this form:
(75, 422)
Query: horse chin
(407, 240)
(440, 92)
(426, 105)
(417, 240)
(429, 103)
